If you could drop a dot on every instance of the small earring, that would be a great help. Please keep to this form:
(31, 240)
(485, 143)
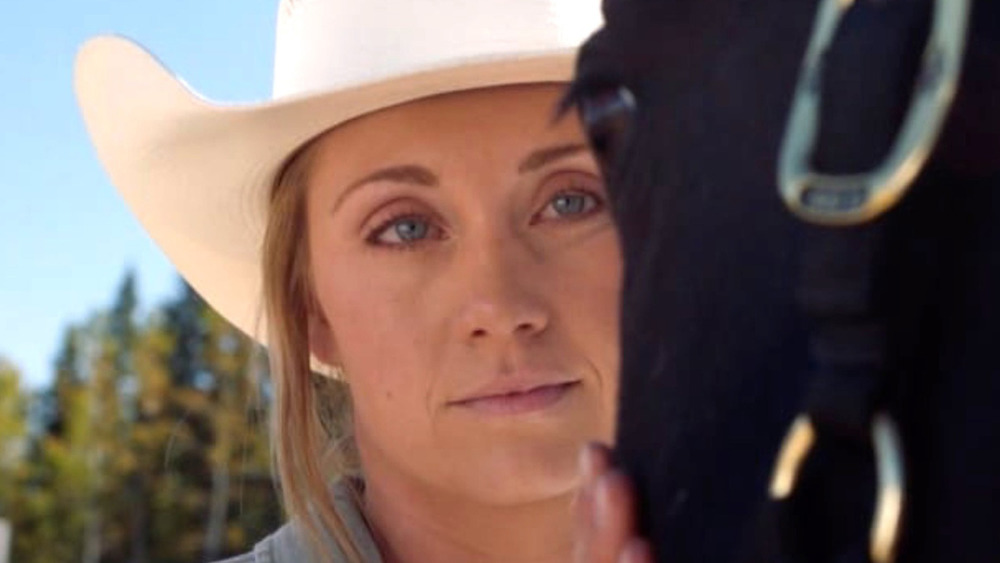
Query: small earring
(336, 372)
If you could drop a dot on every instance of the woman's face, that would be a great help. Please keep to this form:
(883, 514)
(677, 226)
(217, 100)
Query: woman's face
(467, 272)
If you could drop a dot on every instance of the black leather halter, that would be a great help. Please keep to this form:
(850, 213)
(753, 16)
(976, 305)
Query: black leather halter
(848, 397)
(889, 351)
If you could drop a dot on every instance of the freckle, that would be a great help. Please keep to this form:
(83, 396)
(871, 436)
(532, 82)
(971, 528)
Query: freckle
(388, 395)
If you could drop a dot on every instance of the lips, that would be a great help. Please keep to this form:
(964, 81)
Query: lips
(517, 397)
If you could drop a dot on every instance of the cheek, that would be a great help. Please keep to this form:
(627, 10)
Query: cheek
(362, 293)
(590, 288)
(379, 329)
(587, 298)
(368, 318)
(386, 375)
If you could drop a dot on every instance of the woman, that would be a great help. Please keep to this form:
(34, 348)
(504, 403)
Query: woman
(418, 228)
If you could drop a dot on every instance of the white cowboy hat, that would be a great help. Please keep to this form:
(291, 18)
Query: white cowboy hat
(196, 173)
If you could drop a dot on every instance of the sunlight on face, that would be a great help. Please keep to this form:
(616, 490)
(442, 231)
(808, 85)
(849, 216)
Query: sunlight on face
(464, 257)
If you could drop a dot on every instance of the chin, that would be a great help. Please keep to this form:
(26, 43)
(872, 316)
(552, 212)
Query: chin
(524, 459)
(522, 472)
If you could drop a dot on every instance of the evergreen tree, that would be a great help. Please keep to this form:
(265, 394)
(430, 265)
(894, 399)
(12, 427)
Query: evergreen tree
(55, 479)
(151, 445)
(185, 322)
(13, 427)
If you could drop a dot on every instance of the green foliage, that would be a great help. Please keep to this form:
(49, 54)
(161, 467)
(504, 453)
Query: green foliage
(150, 444)
(13, 423)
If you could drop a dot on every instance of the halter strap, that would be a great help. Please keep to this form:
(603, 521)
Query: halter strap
(843, 287)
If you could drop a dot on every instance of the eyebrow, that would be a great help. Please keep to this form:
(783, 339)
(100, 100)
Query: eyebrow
(403, 173)
(541, 157)
(421, 176)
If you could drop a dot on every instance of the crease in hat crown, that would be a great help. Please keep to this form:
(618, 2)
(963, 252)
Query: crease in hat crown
(326, 45)
(195, 172)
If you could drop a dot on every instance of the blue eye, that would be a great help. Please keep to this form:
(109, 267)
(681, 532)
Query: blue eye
(402, 231)
(410, 229)
(570, 205)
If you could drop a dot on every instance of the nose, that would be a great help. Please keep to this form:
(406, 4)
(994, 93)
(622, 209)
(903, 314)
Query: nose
(503, 293)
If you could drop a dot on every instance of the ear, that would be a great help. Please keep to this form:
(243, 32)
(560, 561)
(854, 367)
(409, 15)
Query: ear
(321, 343)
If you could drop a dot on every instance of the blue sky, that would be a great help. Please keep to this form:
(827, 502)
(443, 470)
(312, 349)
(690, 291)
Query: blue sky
(65, 236)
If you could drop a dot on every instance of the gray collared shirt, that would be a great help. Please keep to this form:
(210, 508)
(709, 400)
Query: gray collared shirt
(289, 544)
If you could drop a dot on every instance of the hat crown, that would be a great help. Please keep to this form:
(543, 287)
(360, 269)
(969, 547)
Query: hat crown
(197, 173)
(332, 44)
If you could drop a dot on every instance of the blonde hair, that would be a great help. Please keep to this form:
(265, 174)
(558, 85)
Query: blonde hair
(312, 440)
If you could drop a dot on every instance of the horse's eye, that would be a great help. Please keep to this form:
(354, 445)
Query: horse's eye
(607, 115)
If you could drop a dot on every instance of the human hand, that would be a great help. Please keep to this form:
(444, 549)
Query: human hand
(605, 513)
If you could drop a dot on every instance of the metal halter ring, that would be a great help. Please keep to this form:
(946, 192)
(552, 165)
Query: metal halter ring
(849, 199)
(886, 521)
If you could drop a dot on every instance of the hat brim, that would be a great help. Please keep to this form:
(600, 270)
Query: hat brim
(196, 173)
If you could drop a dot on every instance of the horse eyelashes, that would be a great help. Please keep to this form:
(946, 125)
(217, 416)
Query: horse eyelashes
(607, 115)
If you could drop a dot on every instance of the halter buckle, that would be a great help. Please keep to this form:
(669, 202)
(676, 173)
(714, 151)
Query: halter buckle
(886, 522)
(849, 199)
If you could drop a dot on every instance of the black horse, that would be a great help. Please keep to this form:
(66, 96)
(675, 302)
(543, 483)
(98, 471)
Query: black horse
(738, 315)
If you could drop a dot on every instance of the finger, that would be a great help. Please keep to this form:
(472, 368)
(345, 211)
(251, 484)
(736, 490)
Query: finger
(595, 460)
(590, 469)
(636, 550)
(583, 506)
(594, 463)
(583, 512)
(613, 520)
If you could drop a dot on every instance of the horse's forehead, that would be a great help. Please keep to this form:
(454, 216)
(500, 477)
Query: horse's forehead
(700, 101)
(678, 44)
